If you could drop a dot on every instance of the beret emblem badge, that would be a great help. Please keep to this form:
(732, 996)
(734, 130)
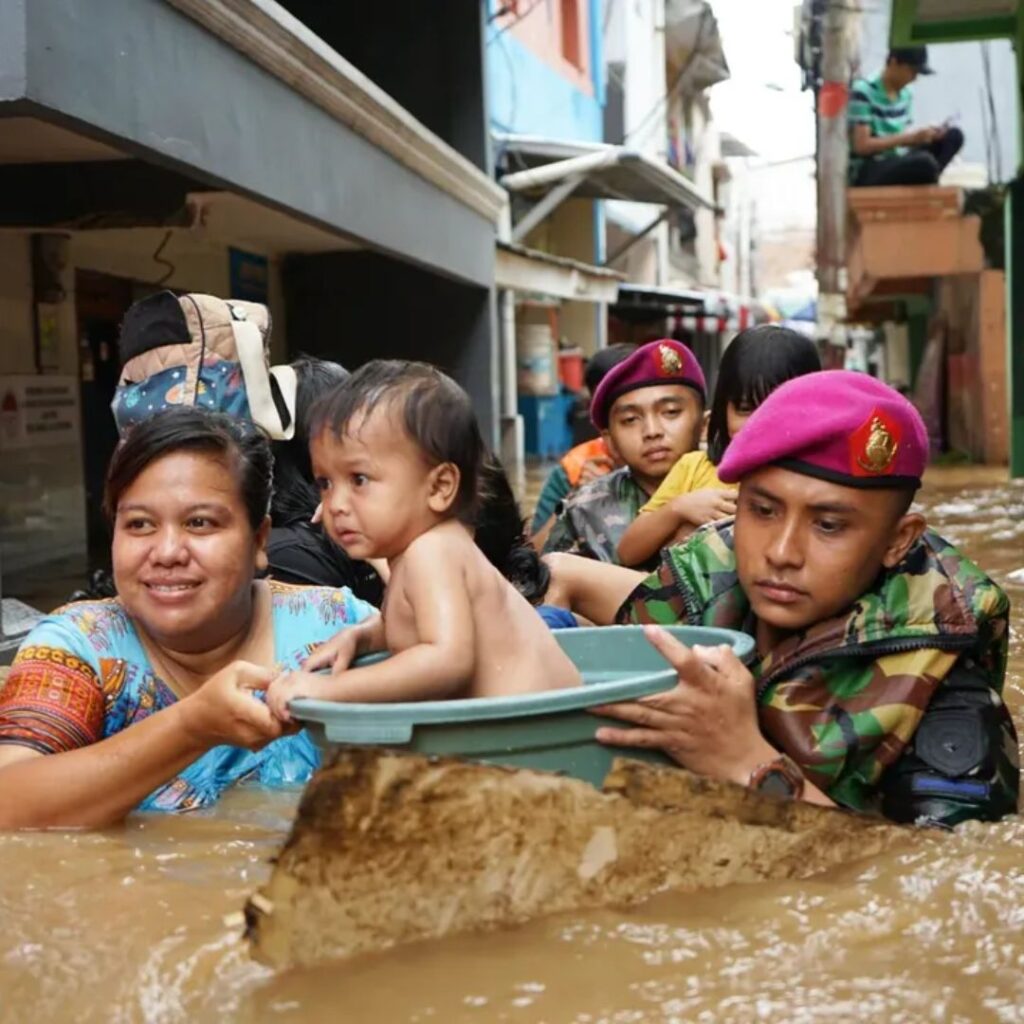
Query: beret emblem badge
(875, 446)
(669, 362)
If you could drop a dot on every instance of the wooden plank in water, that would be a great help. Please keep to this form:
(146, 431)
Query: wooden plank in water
(390, 848)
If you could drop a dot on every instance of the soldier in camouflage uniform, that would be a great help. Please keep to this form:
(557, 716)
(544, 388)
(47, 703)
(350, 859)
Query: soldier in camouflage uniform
(649, 408)
(591, 522)
(877, 680)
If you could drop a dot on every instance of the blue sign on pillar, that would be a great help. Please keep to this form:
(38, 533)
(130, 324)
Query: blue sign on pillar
(249, 276)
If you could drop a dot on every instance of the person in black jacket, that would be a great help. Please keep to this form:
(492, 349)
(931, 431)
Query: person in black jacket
(501, 535)
(299, 551)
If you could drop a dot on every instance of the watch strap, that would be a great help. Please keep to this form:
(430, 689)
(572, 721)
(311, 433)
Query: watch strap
(780, 777)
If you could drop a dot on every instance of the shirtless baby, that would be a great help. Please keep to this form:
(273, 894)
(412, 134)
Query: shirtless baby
(396, 451)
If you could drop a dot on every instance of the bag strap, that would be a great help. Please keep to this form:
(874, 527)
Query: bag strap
(252, 358)
(286, 382)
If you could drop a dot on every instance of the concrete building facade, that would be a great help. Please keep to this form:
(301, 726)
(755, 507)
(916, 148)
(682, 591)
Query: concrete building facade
(334, 162)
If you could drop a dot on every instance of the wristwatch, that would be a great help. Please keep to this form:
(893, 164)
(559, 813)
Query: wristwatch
(781, 778)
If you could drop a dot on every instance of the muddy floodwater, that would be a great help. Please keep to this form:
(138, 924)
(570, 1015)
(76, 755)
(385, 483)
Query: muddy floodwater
(128, 925)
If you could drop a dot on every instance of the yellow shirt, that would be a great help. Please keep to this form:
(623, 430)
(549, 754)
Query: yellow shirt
(693, 472)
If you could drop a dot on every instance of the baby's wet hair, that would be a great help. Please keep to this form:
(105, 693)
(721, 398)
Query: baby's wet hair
(433, 410)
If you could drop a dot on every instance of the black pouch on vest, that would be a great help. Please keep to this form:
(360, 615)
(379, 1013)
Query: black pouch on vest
(951, 765)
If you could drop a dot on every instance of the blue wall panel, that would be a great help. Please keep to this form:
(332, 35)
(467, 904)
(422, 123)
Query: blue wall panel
(529, 97)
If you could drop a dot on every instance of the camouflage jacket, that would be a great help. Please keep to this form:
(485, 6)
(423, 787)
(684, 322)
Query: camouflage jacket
(591, 522)
(893, 705)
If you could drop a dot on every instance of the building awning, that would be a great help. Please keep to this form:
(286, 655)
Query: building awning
(594, 171)
(613, 172)
(693, 44)
(692, 309)
(734, 146)
(528, 270)
(277, 82)
(952, 21)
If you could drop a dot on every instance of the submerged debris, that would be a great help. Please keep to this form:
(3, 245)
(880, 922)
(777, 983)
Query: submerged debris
(391, 848)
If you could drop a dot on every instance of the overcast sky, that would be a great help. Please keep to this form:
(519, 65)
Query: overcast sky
(758, 38)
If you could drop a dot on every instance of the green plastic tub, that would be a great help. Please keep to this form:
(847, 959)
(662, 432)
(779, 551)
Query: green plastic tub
(550, 731)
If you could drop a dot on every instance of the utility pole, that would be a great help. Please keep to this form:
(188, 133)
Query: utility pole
(1014, 285)
(832, 100)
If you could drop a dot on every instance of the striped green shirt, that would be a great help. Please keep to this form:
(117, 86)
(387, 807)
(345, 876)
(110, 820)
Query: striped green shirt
(872, 105)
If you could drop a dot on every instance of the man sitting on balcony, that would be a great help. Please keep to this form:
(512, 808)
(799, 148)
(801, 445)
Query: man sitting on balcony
(884, 150)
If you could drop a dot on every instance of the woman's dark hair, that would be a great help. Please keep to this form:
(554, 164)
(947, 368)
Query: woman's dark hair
(501, 534)
(433, 410)
(295, 495)
(238, 443)
(756, 362)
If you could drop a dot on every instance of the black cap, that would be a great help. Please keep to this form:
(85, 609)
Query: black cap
(913, 56)
(603, 360)
(152, 322)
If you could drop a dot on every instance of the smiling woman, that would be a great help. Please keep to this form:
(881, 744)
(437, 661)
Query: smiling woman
(149, 700)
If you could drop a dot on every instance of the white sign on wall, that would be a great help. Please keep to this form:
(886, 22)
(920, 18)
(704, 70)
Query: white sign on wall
(38, 411)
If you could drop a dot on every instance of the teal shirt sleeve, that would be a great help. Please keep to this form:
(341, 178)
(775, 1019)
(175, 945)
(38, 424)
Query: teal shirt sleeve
(859, 110)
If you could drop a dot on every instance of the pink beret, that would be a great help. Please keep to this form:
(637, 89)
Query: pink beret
(835, 425)
(658, 362)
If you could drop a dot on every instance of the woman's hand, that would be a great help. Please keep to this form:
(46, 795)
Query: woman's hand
(705, 506)
(707, 722)
(343, 648)
(224, 710)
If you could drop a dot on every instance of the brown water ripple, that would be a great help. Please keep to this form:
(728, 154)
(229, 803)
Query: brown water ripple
(128, 926)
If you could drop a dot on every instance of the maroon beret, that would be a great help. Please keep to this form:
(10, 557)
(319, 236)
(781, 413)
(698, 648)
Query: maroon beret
(658, 362)
(836, 425)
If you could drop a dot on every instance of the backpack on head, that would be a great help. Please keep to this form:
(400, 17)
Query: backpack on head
(200, 350)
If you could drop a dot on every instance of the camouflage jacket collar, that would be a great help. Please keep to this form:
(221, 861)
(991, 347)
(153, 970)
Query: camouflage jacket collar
(591, 522)
(844, 697)
(618, 485)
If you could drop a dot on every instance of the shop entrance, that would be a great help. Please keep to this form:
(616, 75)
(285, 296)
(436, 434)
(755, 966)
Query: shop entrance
(100, 304)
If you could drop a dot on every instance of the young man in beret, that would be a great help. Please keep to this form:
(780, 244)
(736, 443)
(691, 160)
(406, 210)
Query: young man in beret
(650, 411)
(881, 650)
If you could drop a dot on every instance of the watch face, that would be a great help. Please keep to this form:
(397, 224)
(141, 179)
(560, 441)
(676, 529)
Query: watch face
(775, 782)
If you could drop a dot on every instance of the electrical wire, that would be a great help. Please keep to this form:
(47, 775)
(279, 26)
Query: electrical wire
(992, 140)
(514, 91)
(510, 125)
(158, 259)
(609, 6)
(662, 103)
(987, 135)
(505, 9)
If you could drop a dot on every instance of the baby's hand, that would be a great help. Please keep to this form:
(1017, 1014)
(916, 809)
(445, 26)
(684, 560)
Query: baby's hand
(336, 654)
(289, 686)
(341, 650)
